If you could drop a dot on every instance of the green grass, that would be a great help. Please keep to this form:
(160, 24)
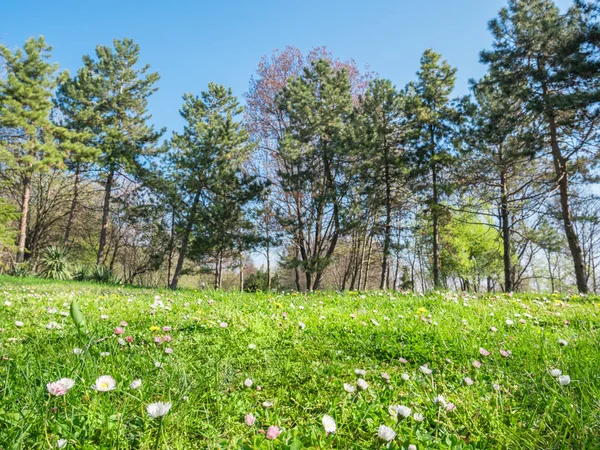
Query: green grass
(301, 371)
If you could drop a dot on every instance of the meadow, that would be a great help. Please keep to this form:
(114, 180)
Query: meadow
(289, 371)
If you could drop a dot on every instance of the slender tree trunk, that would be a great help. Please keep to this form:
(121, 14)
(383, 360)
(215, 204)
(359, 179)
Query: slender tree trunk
(550, 271)
(388, 229)
(435, 211)
(105, 214)
(23, 221)
(217, 271)
(396, 273)
(297, 272)
(241, 272)
(504, 218)
(220, 285)
(185, 240)
(562, 178)
(73, 204)
(171, 248)
(593, 267)
(362, 260)
(268, 256)
(368, 266)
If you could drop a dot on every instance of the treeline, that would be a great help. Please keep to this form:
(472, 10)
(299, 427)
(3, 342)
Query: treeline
(336, 176)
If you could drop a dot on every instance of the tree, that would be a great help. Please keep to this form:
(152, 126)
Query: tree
(500, 145)
(548, 53)
(472, 251)
(77, 112)
(379, 159)
(213, 146)
(267, 125)
(431, 119)
(28, 144)
(109, 99)
(318, 107)
(224, 229)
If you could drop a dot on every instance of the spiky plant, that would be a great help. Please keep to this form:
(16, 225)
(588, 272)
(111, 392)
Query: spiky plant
(55, 264)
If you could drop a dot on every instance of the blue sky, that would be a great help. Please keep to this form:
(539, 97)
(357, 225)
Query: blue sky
(191, 43)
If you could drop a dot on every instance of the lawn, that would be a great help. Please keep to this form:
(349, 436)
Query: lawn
(471, 371)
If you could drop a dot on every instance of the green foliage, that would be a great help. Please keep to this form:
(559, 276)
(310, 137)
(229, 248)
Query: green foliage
(27, 143)
(78, 318)
(206, 163)
(472, 250)
(101, 274)
(20, 270)
(258, 282)
(81, 272)
(55, 263)
(317, 106)
(8, 234)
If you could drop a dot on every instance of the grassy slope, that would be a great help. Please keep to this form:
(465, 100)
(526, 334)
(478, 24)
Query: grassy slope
(301, 371)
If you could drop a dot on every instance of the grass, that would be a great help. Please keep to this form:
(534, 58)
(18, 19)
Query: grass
(301, 371)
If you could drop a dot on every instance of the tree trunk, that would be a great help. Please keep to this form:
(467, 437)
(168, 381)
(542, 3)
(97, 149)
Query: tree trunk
(435, 212)
(268, 256)
(217, 271)
(105, 214)
(23, 221)
(220, 284)
(185, 240)
(297, 272)
(241, 272)
(368, 266)
(361, 262)
(73, 204)
(171, 248)
(388, 228)
(562, 177)
(396, 273)
(550, 274)
(504, 218)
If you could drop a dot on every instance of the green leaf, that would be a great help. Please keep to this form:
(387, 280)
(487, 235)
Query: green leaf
(78, 318)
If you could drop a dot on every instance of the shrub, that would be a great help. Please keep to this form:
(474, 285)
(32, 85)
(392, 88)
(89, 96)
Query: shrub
(258, 281)
(20, 270)
(55, 264)
(101, 274)
(81, 273)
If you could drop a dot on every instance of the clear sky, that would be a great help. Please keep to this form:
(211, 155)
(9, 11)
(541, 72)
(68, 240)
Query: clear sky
(191, 43)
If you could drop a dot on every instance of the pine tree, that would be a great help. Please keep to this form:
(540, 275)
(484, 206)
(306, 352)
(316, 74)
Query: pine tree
(317, 106)
(379, 134)
(550, 54)
(205, 157)
(432, 117)
(28, 143)
(109, 99)
(501, 142)
(77, 114)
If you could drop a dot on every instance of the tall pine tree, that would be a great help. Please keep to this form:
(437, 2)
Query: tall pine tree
(379, 135)
(204, 158)
(28, 143)
(432, 117)
(553, 56)
(109, 99)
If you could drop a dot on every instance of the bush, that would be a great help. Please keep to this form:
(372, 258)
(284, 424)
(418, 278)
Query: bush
(81, 273)
(55, 264)
(20, 270)
(101, 274)
(258, 281)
